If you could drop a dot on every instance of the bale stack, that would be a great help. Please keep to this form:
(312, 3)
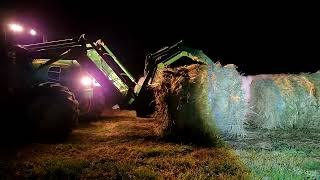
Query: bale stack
(286, 101)
(200, 103)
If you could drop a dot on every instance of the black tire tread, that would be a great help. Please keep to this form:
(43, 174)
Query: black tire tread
(54, 111)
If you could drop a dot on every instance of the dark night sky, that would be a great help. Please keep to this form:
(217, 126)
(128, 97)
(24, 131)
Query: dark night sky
(263, 39)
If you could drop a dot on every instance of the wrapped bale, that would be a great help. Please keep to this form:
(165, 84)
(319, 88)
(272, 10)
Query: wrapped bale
(200, 103)
(285, 101)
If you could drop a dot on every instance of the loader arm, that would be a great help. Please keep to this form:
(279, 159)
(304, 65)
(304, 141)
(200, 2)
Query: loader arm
(94, 57)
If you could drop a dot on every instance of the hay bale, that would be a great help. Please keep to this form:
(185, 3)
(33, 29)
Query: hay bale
(315, 79)
(285, 101)
(227, 99)
(200, 103)
(264, 110)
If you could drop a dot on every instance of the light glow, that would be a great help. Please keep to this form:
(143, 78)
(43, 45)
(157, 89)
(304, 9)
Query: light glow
(33, 32)
(15, 27)
(86, 81)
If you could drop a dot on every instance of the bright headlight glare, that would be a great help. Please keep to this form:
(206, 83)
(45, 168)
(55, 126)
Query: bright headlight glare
(15, 27)
(86, 81)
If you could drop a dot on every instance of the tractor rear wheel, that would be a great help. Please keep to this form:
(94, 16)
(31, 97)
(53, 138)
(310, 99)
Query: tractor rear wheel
(53, 111)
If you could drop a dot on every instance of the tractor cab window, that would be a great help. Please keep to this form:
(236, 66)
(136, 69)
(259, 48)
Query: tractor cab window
(54, 73)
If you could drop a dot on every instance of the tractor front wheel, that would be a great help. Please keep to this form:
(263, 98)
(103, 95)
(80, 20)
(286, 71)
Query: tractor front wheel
(53, 111)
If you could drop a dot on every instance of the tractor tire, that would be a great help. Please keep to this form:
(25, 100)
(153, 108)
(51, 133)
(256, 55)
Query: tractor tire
(91, 109)
(53, 111)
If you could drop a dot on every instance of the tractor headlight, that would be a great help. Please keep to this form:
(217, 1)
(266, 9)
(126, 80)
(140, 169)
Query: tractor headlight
(88, 81)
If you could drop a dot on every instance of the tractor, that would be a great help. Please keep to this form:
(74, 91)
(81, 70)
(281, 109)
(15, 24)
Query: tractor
(43, 110)
(69, 73)
(54, 82)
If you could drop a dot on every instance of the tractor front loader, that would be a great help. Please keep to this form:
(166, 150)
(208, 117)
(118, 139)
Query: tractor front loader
(118, 85)
(87, 68)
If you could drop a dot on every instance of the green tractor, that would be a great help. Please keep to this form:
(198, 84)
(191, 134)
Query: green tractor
(69, 73)
(42, 110)
(79, 76)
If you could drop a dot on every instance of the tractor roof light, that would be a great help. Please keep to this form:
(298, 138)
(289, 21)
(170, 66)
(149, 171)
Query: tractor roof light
(15, 27)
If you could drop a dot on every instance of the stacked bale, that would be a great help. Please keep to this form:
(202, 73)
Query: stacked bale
(199, 103)
(227, 99)
(202, 103)
(285, 101)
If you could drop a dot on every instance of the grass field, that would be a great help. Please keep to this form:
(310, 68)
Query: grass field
(280, 154)
(121, 146)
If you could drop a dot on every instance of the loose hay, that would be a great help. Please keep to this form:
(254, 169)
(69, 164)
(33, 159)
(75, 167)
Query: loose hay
(285, 101)
(200, 103)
